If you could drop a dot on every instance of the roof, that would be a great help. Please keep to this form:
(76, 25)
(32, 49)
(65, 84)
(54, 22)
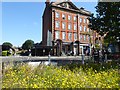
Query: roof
(68, 5)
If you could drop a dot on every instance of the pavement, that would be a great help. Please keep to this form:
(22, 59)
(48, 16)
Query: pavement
(40, 58)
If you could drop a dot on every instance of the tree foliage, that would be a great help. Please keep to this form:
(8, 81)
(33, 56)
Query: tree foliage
(28, 44)
(8, 44)
(107, 20)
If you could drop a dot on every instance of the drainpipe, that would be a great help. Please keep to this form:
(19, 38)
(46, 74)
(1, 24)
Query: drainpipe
(78, 34)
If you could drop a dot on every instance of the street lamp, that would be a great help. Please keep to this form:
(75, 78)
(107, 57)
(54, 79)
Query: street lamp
(43, 51)
(118, 41)
(49, 56)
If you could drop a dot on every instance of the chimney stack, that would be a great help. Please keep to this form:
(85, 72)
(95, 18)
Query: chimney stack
(82, 8)
(47, 2)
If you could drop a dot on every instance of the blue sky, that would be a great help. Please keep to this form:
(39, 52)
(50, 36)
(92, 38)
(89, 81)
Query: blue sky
(23, 20)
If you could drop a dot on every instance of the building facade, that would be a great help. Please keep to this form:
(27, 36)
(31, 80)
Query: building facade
(65, 28)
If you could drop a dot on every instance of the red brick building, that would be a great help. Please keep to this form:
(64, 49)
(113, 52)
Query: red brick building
(65, 27)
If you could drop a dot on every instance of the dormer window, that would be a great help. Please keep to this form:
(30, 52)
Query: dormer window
(64, 5)
(70, 7)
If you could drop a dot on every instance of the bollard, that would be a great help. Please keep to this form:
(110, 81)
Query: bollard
(82, 58)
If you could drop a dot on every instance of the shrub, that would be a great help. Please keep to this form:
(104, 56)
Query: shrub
(4, 53)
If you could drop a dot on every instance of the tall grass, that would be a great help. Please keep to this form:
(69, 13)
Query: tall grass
(70, 76)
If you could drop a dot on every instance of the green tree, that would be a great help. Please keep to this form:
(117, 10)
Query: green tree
(107, 20)
(7, 44)
(28, 44)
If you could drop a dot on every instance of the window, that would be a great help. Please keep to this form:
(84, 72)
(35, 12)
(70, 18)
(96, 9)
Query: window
(85, 28)
(87, 21)
(69, 36)
(57, 24)
(88, 29)
(63, 25)
(88, 37)
(63, 35)
(75, 36)
(63, 16)
(80, 37)
(80, 28)
(80, 20)
(57, 34)
(75, 18)
(84, 20)
(84, 37)
(69, 26)
(57, 15)
(75, 26)
(69, 17)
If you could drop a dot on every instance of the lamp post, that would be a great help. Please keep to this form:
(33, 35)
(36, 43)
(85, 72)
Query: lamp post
(118, 41)
(49, 57)
(43, 51)
(78, 42)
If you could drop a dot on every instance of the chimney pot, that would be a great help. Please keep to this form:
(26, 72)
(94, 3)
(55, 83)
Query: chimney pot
(47, 2)
(82, 8)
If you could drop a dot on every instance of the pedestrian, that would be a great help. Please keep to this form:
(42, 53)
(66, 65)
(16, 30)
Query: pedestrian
(86, 52)
(96, 56)
(103, 55)
(92, 53)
